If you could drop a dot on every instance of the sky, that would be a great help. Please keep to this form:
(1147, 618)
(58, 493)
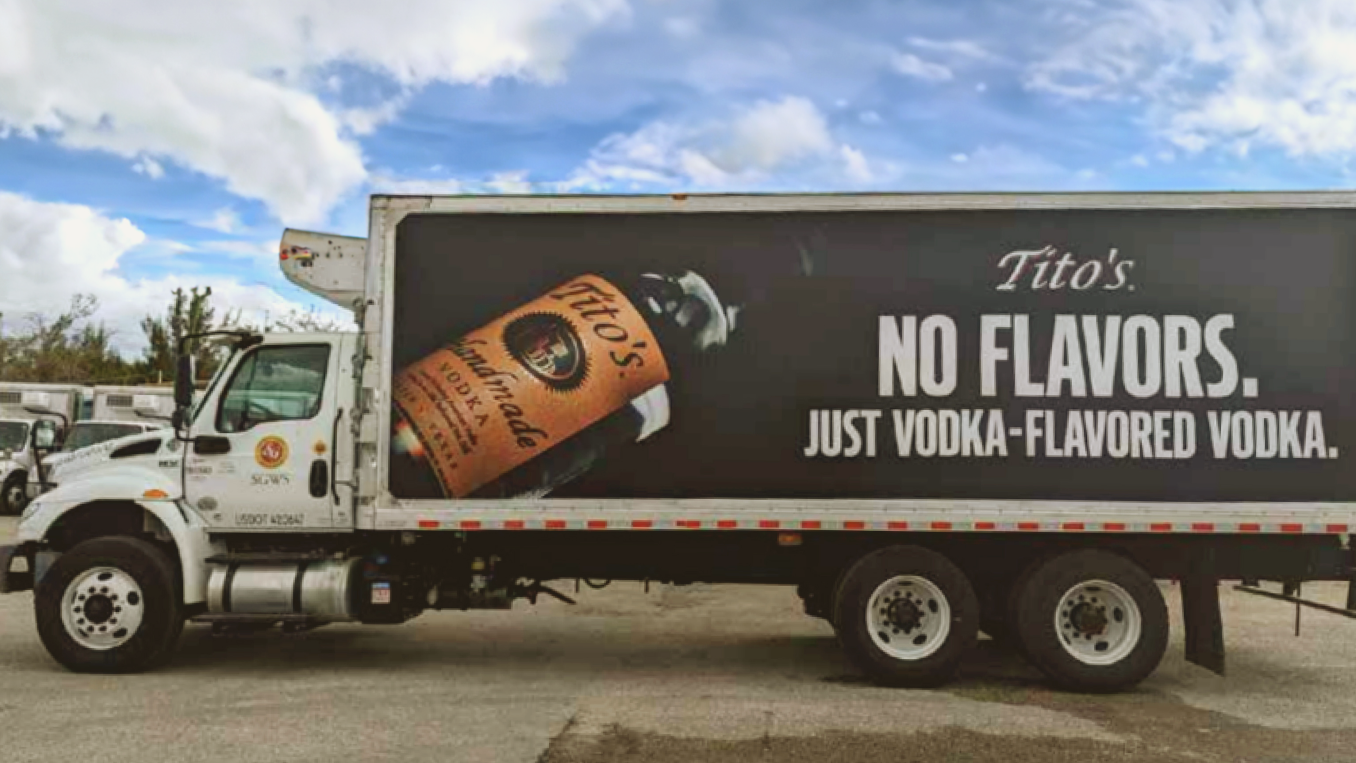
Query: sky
(146, 144)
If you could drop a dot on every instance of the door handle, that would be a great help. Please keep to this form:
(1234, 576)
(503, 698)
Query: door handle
(320, 478)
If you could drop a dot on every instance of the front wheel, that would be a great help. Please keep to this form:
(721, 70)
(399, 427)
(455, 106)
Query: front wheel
(906, 616)
(110, 605)
(1092, 621)
(14, 495)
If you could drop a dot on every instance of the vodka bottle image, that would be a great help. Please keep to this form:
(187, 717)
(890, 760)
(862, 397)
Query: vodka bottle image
(538, 396)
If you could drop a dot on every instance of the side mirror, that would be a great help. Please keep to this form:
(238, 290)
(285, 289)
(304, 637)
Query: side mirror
(183, 382)
(44, 435)
(179, 418)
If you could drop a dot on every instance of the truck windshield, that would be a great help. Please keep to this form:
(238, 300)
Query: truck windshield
(13, 435)
(87, 433)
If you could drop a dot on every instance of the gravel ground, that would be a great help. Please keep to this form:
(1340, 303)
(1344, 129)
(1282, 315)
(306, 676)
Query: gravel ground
(699, 673)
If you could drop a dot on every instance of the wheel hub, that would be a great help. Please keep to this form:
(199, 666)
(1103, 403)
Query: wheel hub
(1089, 619)
(905, 614)
(98, 609)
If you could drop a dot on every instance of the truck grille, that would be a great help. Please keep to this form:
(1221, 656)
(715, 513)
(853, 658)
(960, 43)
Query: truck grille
(119, 401)
(11, 398)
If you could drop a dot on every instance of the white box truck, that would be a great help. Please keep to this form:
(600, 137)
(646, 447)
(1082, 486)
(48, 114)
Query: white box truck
(932, 414)
(110, 414)
(24, 447)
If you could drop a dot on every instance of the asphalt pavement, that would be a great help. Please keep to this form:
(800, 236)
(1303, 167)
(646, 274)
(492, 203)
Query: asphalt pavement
(687, 674)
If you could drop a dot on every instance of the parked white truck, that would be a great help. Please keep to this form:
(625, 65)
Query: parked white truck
(933, 414)
(21, 455)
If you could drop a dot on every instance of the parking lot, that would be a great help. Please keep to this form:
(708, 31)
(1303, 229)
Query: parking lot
(699, 673)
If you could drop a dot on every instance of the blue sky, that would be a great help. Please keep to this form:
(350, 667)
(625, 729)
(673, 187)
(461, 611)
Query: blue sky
(149, 145)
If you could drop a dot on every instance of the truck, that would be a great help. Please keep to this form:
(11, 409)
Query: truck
(117, 412)
(24, 444)
(109, 413)
(932, 414)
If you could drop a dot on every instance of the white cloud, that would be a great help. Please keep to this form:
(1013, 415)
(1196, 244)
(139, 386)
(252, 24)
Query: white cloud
(50, 252)
(1139, 160)
(149, 167)
(1210, 73)
(515, 182)
(981, 87)
(761, 143)
(683, 28)
(960, 158)
(224, 220)
(959, 48)
(855, 164)
(912, 66)
(253, 250)
(229, 90)
(869, 118)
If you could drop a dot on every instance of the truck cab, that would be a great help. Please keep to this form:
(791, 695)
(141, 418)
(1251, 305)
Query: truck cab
(33, 420)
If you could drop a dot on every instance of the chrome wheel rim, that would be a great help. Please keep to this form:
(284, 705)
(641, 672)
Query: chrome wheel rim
(103, 608)
(1098, 623)
(908, 617)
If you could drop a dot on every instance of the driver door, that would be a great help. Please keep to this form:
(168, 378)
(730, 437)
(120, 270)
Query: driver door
(264, 453)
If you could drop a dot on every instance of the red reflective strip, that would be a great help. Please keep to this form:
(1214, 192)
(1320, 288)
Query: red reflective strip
(1337, 528)
(1072, 526)
(727, 524)
(1203, 527)
(769, 524)
(810, 524)
(853, 525)
(428, 524)
(1292, 528)
(898, 525)
(984, 525)
(555, 524)
(1161, 527)
(470, 524)
(941, 525)
(1250, 527)
(690, 524)
(597, 524)
(642, 524)
(1028, 525)
(1114, 526)
(514, 524)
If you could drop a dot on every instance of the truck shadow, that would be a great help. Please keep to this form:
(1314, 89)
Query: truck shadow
(598, 652)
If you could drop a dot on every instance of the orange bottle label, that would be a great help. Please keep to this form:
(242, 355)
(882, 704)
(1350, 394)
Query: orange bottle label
(524, 383)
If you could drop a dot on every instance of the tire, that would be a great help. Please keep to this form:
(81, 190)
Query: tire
(924, 591)
(14, 495)
(148, 584)
(1108, 600)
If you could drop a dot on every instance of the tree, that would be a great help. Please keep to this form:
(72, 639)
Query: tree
(66, 348)
(189, 313)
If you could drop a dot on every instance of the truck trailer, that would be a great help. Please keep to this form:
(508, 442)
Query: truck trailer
(931, 414)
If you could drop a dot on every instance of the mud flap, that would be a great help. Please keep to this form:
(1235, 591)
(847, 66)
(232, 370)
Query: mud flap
(1204, 624)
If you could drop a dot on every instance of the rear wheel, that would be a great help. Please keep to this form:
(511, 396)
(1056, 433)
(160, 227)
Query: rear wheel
(110, 605)
(906, 616)
(1092, 621)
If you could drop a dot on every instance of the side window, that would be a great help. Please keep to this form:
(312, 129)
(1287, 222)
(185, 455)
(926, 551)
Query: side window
(280, 383)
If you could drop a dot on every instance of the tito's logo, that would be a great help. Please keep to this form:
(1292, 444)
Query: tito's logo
(1049, 270)
(548, 347)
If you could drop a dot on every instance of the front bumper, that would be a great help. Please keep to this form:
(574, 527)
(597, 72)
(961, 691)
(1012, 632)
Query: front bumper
(11, 581)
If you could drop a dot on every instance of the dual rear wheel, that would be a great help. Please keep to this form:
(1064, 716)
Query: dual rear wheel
(1090, 620)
